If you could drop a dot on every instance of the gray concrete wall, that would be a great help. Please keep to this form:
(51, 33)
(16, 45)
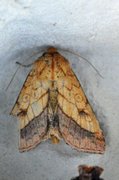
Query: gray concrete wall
(90, 28)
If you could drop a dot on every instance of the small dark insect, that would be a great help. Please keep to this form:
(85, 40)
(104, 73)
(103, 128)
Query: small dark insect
(89, 173)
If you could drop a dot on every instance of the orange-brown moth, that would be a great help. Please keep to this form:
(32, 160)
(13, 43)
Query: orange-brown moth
(52, 104)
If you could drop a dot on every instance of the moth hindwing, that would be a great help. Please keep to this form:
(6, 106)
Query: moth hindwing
(52, 104)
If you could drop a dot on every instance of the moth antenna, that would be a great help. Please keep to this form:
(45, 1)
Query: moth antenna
(12, 78)
(85, 60)
(24, 65)
(18, 69)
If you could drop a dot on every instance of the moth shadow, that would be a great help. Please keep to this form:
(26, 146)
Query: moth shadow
(101, 116)
(103, 122)
(64, 150)
(26, 55)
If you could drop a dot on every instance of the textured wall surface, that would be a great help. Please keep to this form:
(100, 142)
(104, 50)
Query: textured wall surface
(90, 28)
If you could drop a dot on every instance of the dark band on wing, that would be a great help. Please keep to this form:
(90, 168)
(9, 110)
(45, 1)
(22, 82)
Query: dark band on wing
(34, 131)
(78, 137)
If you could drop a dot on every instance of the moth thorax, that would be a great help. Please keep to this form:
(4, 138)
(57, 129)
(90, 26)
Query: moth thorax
(53, 99)
(53, 85)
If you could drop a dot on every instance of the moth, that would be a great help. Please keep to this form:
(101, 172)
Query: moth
(52, 104)
(89, 173)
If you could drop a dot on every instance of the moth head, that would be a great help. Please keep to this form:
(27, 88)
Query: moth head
(51, 50)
